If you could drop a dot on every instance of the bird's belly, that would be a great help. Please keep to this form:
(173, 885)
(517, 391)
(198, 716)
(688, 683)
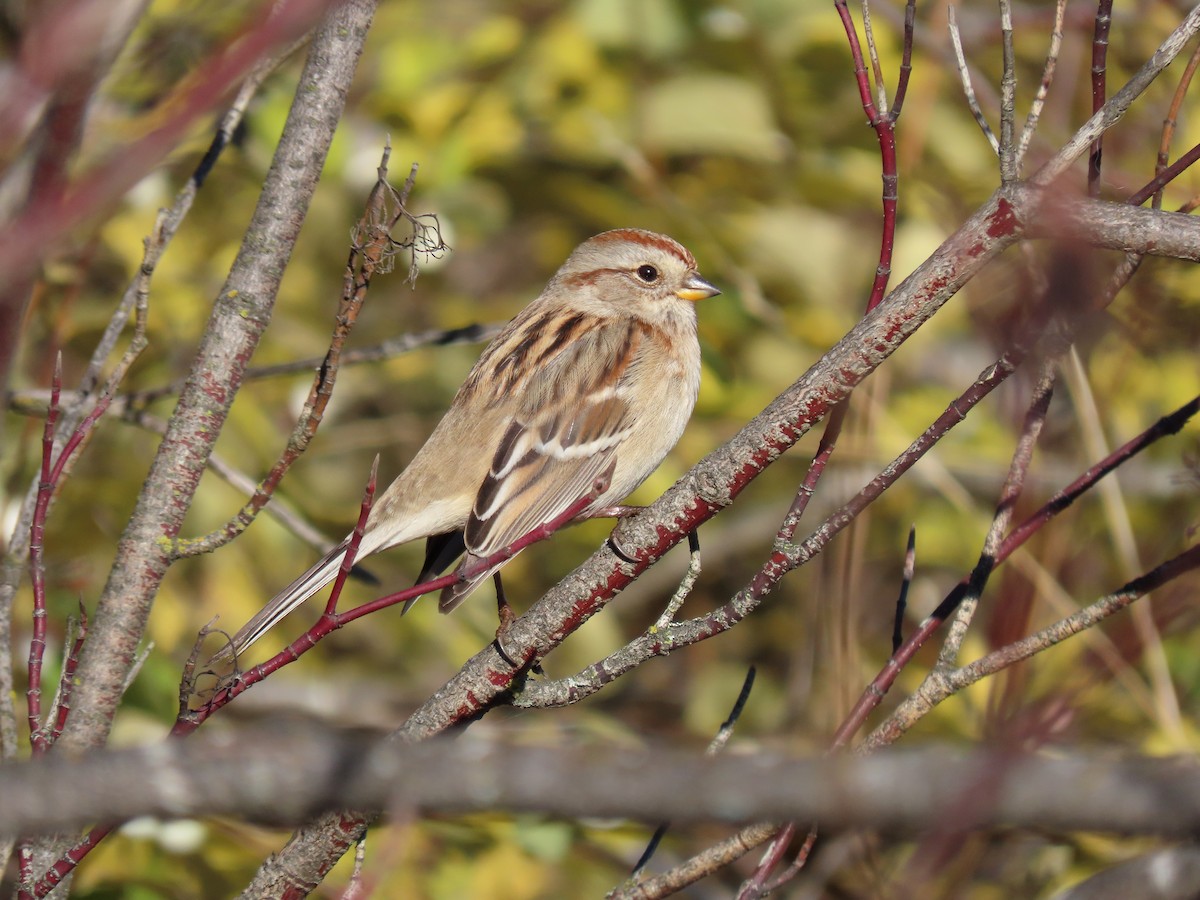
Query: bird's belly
(656, 432)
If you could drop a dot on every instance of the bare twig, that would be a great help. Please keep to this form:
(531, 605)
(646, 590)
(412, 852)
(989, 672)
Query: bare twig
(905, 71)
(127, 405)
(1008, 97)
(699, 866)
(1164, 177)
(37, 643)
(873, 55)
(1039, 100)
(685, 585)
(1010, 492)
(1099, 88)
(968, 87)
(191, 719)
(76, 634)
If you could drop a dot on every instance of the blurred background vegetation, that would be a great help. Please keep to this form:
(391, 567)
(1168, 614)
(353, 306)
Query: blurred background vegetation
(735, 127)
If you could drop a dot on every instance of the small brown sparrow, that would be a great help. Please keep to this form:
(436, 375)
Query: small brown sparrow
(600, 371)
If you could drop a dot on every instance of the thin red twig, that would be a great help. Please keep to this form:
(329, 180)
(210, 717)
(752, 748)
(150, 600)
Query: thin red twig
(798, 863)
(66, 864)
(37, 531)
(829, 437)
(190, 720)
(884, 127)
(360, 526)
(51, 475)
(885, 132)
(1165, 176)
(910, 18)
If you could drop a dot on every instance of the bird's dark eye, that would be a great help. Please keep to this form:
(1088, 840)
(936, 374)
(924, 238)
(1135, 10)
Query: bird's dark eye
(648, 274)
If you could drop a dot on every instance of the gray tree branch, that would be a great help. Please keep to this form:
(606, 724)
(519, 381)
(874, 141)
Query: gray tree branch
(241, 312)
(283, 773)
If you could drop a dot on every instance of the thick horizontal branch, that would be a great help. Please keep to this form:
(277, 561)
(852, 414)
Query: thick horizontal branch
(285, 773)
(1112, 226)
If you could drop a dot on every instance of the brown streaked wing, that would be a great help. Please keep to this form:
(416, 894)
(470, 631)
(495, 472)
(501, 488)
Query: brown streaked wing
(566, 432)
(542, 468)
(531, 484)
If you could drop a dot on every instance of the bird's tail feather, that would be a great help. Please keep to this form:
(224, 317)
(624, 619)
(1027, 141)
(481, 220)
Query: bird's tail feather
(454, 594)
(321, 573)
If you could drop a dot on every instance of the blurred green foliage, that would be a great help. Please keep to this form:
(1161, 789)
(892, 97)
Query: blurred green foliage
(736, 127)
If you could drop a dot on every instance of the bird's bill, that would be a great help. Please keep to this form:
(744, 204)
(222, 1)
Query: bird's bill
(696, 288)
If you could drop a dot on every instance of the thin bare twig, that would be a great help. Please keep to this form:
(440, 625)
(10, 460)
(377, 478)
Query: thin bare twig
(697, 867)
(905, 71)
(950, 681)
(1088, 617)
(37, 643)
(968, 87)
(1010, 492)
(1039, 100)
(1008, 97)
(76, 634)
(1164, 177)
(685, 585)
(126, 405)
